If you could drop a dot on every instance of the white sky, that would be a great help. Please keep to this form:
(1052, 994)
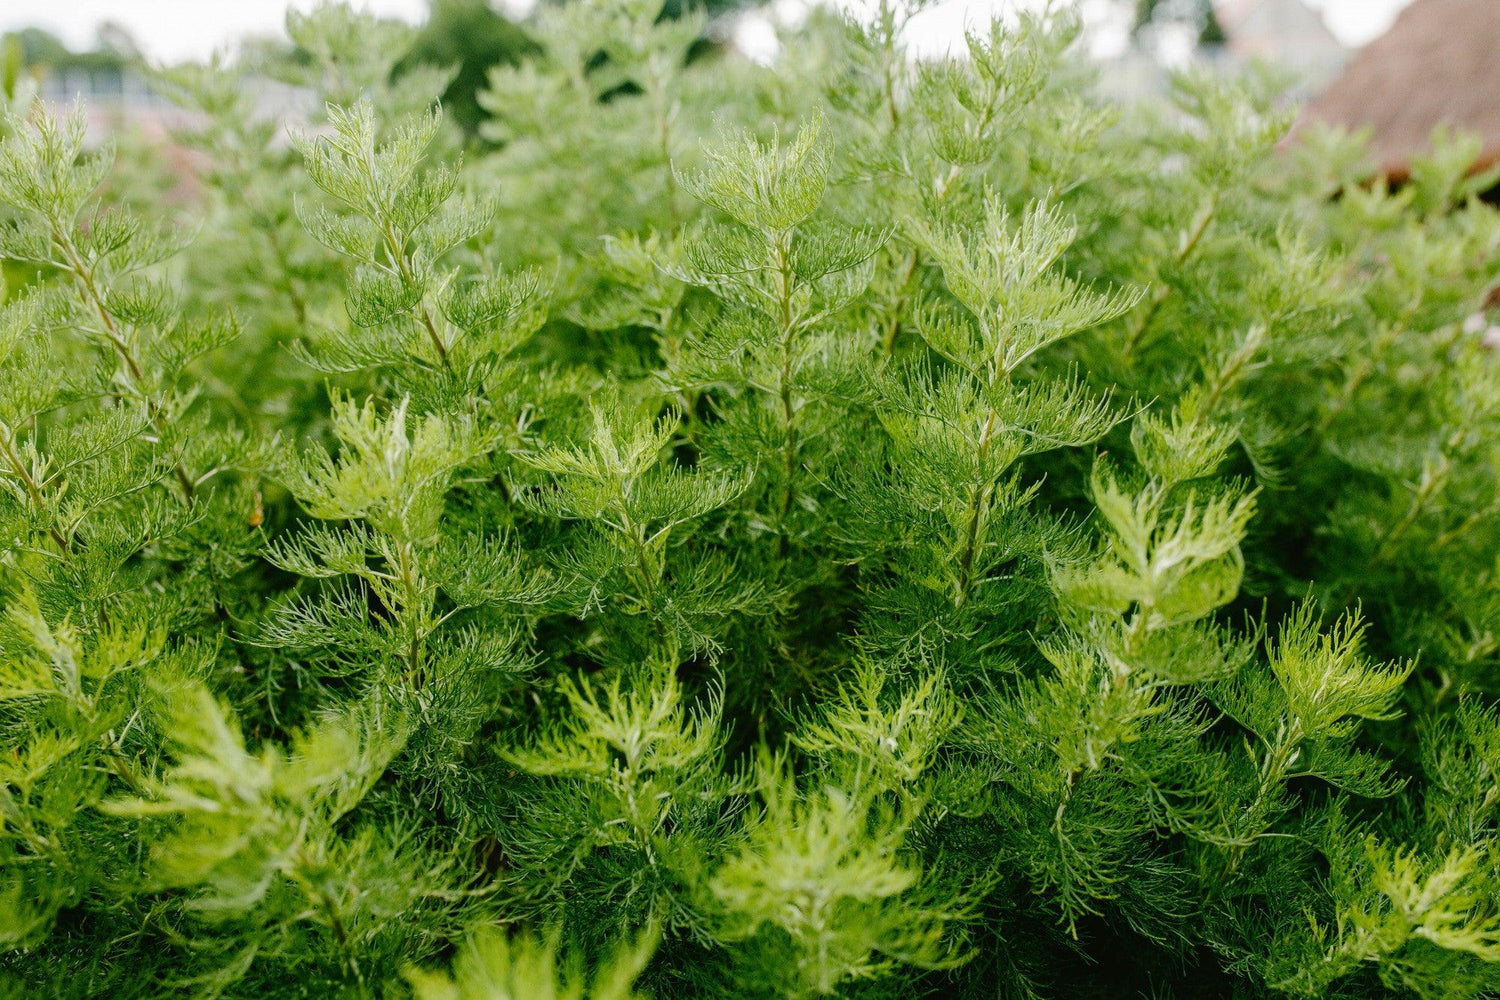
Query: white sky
(192, 29)
(1357, 21)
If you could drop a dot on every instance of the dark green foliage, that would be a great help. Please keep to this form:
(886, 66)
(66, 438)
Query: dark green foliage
(471, 37)
(1199, 14)
(924, 533)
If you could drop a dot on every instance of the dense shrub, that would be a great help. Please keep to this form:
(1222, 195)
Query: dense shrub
(925, 533)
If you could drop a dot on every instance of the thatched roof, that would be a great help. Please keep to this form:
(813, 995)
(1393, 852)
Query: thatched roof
(1439, 63)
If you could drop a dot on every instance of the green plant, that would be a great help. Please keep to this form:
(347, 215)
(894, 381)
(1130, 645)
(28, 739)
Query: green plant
(927, 532)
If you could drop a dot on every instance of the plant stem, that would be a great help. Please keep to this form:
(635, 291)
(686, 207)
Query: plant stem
(977, 499)
(784, 386)
(420, 310)
(111, 331)
(1186, 245)
(7, 437)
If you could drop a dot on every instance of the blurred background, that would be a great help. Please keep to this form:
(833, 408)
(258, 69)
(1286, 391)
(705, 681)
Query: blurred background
(1399, 68)
(173, 30)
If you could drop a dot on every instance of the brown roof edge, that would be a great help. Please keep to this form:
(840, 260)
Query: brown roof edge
(1400, 173)
(1436, 65)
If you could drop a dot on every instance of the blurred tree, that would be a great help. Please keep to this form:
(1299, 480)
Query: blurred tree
(113, 38)
(471, 36)
(43, 52)
(1199, 13)
(713, 8)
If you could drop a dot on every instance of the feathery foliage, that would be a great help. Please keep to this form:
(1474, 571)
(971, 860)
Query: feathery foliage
(858, 526)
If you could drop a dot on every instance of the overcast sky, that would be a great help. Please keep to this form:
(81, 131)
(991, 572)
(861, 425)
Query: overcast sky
(172, 30)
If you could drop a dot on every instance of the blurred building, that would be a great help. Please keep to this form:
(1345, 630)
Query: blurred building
(1284, 33)
(113, 97)
(1439, 64)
